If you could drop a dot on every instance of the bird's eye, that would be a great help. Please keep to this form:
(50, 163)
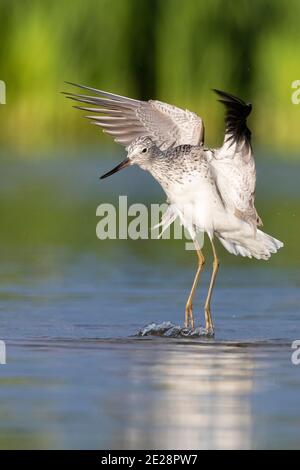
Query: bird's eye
(144, 150)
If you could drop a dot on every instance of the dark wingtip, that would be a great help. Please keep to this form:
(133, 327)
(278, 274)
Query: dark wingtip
(216, 91)
(220, 93)
(71, 83)
(237, 112)
(230, 98)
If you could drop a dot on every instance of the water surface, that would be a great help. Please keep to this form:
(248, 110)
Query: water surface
(70, 307)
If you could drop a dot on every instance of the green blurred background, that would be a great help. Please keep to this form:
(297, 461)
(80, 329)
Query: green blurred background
(62, 290)
(171, 50)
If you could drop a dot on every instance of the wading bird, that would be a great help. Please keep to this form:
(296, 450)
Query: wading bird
(211, 190)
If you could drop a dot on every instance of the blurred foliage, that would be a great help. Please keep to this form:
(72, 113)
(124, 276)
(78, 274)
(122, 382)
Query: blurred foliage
(173, 50)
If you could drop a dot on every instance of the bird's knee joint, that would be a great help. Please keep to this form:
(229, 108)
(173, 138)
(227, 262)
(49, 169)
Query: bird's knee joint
(201, 261)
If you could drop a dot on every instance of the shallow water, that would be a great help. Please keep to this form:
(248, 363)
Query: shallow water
(78, 377)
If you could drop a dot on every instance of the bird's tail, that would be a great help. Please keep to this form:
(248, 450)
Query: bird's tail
(260, 246)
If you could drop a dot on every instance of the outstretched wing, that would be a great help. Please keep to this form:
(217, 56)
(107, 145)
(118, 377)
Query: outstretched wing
(233, 163)
(127, 118)
(237, 133)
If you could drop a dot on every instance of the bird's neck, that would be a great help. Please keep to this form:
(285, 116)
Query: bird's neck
(153, 160)
(159, 167)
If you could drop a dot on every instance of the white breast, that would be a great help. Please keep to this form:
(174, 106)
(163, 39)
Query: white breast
(198, 204)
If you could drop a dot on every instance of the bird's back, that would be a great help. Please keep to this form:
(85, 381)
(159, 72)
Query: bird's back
(233, 164)
(235, 176)
(186, 176)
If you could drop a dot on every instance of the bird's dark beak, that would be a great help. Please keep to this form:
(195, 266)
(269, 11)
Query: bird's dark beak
(119, 167)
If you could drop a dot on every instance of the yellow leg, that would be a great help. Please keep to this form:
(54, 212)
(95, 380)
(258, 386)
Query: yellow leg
(208, 319)
(189, 316)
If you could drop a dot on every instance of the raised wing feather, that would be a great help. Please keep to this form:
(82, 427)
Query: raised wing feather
(126, 118)
(236, 183)
(233, 164)
(237, 134)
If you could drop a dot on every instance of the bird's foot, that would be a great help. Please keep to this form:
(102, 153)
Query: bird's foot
(189, 321)
(209, 326)
(210, 331)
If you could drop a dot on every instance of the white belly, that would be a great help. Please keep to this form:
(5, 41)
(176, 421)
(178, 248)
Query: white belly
(198, 205)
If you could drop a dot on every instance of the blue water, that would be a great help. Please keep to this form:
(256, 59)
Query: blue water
(78, 377)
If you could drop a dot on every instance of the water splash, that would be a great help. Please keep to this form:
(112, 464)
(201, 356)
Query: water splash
(170, 330)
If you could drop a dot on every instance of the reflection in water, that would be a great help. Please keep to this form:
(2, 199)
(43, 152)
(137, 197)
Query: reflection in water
(201, 400)
(60, 284)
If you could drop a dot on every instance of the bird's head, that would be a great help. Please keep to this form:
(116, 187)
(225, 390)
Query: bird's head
(139, 152)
